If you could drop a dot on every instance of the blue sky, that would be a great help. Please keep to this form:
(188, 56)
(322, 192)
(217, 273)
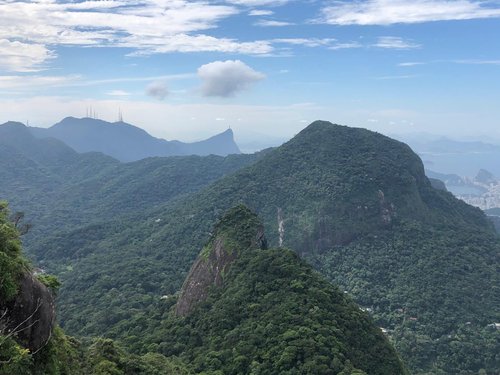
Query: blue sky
(187, 69)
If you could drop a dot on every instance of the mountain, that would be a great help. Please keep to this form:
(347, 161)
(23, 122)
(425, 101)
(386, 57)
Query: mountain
(448, 156)
(126, 142)
(482, 191)
(245, 309)
(354, 204)
(59, 188)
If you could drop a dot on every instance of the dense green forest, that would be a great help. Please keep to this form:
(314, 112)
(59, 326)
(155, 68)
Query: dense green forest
(273, 314)
(59, 188)
(61, 354)
(354, 204)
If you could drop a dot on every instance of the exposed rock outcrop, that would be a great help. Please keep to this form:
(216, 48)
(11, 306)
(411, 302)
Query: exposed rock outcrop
(30, 316)
(238, 230)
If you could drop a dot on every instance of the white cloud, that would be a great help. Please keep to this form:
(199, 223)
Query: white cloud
(260, 12)
(411, 63)
(29, 30)
(252, 3)
(158, 90)
(196, 43)
(348, 45)
(272, 23)
(387, 12)
(227, 78)
(22, 57)
(307, 42)
(394, 42)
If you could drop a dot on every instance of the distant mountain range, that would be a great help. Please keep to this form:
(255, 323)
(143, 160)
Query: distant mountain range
(482, 191)
(127, 142)
(448, 156)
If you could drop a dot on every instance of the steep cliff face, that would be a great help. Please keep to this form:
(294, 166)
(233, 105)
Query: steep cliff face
(30, 316)
(238, 230)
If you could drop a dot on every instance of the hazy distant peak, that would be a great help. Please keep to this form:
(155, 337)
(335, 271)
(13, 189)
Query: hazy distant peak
(127, 142)
(13, 124)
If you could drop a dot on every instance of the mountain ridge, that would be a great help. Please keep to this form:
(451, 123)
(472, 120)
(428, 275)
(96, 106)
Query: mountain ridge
(127, 142)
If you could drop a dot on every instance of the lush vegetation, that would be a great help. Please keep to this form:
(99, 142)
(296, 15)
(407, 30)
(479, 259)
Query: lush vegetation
(353, 203)
(62, 355)
(12, 264)
(273, 314)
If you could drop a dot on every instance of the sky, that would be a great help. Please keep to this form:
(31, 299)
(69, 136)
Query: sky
(266, 68)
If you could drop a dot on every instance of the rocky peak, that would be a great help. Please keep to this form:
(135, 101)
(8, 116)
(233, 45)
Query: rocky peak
(485, 177)
(239, 230)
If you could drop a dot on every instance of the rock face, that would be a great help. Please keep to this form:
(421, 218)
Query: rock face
(238, 230)
(30, 315)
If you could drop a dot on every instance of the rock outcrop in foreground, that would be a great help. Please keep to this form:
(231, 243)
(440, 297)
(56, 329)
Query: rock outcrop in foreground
(30, 315)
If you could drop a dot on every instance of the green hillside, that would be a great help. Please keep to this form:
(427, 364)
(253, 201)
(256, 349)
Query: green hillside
(21, 327)
(271, 313)
(354, 204)
(60, 189)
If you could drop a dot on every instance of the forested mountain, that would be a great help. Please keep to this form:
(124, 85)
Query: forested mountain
(354, 204)
(59, 188)
(245, 309)
(268, 313)
(126, 142)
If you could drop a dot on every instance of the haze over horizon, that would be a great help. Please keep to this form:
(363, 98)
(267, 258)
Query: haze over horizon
(267, 68)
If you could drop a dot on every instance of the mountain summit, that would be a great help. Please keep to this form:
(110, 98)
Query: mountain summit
(126, 142)
(240, 229)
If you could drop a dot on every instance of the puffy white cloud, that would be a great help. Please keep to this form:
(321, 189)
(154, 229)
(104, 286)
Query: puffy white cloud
(158, 90)
(387, 12)
(226, 78)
